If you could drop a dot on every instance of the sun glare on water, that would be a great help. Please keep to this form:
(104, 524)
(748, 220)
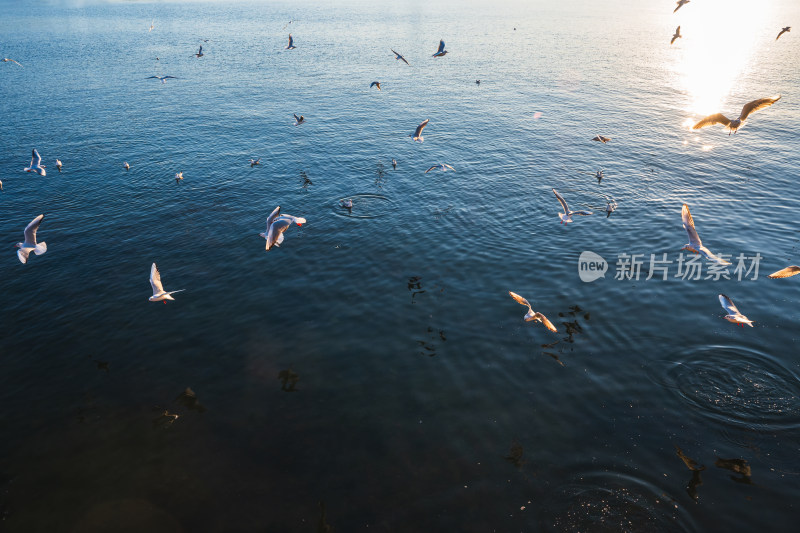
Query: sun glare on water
(720, 39)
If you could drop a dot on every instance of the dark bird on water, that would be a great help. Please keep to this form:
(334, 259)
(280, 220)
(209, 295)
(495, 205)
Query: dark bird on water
(735, 124)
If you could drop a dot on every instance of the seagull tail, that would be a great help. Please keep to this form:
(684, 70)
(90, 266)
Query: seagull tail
(40, 248)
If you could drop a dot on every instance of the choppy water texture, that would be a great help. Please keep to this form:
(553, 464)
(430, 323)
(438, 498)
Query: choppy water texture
(375, 362)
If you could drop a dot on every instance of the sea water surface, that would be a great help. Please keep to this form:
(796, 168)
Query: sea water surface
(375, 361)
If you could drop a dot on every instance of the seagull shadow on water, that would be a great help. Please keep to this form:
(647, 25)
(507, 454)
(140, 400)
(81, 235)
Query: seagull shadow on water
(571, 327)
(289, 379)
(188, 399)
(428, 346)
(737, 466)
(306, 180)
(691, 464)
(515, 454)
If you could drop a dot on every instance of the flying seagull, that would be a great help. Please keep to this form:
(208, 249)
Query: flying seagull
(677, 35)
(695, 245)
(400, 57)
(159, 294)
(733, 314)
(566, 216)
(443, 167)
(162, 78)
(36, 164)
(58, 164)
(199, 52)
(29, 244)
(299, 120)
(126, 165)
(152, 25)
(179, 176)
(735, 124)
(375, 84)
(787, 272)
(441, 51)
(291, 45)
(601, 139)
(276, 225)
(6, 60)
(417, 135)
(784, 30)
(531, 314)
(681, 3)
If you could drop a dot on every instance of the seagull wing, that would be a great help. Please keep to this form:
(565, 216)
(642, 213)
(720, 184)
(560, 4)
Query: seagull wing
(441, 47)
(717, 118)
(562, 201)
(581, 213)
(520, 300)
(728, 305)
(272, 216)
(549, 325)
(36, 159)
(706, 252)
(787, 272)
(373, 84)
(421, 127)
(755, 105)
(30, 230)
(688, 225)
(155, 280)
(448, 166)
(291, 41)
(433, 167)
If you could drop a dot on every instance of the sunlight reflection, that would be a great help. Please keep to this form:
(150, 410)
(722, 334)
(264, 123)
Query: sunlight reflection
(721, 37)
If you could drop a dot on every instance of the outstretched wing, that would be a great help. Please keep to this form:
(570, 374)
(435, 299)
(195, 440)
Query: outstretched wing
(519, 299)
(549, 325)
(688, 225)
(441, 47)
(421, 127)
(155, 280)
(433, 167)
(787, 272)
(562, 202)
(448, 166)
(30, 230)
(272, 216)
(755, 105)
(36, 159)
(728, 305)
(291, 41)
(717, 118)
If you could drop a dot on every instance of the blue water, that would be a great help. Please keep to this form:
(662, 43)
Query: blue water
(417, 377)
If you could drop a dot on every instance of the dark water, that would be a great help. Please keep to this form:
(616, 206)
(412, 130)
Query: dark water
(375, 361)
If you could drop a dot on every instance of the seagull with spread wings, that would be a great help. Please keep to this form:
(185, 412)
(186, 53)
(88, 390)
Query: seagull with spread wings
(787, 272)
(733, 315)
(417, 135)
(162, 78)
(199, 52)
(441, 51)
(375, 84)
(784, 30)
(159, 294)
(566, 216)
(695, 245)
(36, 164)
(7, 59)
(29, 244)
(277, 224)
(399, 57)
(681, 3)
(443, 167)
(677, 35)
(298, 120)
(733, 125)
(531, 314)
(291, 45)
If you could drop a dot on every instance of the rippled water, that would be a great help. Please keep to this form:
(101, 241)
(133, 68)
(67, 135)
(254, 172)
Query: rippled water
(375, 361)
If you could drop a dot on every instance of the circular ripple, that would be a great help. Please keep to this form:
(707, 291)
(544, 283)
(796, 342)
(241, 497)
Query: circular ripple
(603, 501)
(364, 206)
(737, 386)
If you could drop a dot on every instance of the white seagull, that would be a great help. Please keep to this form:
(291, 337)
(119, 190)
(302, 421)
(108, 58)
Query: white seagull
(7, 59)
(29, 244)
(681, 3)
(277, 224)
(784, 30)
(677, 35)
(162, 78)
(735, 124)
(695, 245)
(159, 294)
(531, 314)
(291, 45)
(58, 164)
(566, 216)
(733, 314)
(441, 51)
(400, 57)
(601, 139)
(417, 135)
(36, 164)
(126, 165)
(787, 272)
(443, 167)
